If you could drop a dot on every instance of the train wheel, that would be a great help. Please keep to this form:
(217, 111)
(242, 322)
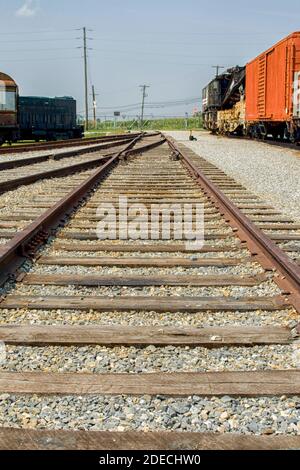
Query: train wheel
(279, 137)
(286, 133)
(292, 135)
(255, 133)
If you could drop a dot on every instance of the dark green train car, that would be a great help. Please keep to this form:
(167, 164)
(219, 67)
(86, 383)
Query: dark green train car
(48, 118)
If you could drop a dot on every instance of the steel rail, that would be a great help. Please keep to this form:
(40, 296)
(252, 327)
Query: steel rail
(24, 243)
(55, 173)
(11, 164)
(58, 172)
(64, 143)
(260, 245)
(69, 143)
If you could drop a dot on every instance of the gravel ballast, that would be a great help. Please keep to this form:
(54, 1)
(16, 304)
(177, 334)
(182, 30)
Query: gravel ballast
(265, 289)
(7, 175)
(13, 200)
(286, 317)
(249, 162)
(241, 269)
(8, 157)
(265, 415)
(121, 359)
(260, 415)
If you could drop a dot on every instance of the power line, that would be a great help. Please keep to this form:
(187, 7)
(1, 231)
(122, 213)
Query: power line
(198, 44)
(39, 50)
(164, 54)
(34, 59)
(41, 31)
(175, 101)
(196, 33)
(213, 33)
(163, 62)
(156, 104)
(183, 116)
(121, 107)
(37, 40)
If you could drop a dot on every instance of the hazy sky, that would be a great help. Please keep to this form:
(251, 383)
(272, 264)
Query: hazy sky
(167, 44)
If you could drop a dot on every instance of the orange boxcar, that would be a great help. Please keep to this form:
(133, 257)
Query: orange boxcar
(273, 89)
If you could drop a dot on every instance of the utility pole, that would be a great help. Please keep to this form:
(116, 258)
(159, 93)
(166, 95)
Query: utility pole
(94, 106)
(217, 67)
(85, 79)
(144, 88)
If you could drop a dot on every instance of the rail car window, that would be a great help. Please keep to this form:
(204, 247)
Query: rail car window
(8, 100)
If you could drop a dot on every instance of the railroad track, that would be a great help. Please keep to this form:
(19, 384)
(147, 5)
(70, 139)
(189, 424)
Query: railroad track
(58, 164)
(147, 343)
(11, 162)
(22, 148)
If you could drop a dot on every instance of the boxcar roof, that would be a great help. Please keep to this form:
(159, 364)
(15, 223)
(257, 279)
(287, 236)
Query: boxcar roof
(296, 34)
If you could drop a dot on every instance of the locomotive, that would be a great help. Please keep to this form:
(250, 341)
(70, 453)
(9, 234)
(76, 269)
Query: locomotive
(223, 92)
(261, 99)
(35, 118)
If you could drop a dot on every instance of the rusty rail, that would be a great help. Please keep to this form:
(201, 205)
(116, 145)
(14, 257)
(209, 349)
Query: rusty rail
(11, 164)
(69, 143)
(64, 143)
(55, 173)
(25, 242)
(60, 172)
(260, 245)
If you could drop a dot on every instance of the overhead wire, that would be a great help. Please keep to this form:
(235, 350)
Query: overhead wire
(41, 31)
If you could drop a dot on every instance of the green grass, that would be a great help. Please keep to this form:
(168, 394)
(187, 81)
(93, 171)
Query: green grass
(153, 124)
(168, 124)
(20, 142)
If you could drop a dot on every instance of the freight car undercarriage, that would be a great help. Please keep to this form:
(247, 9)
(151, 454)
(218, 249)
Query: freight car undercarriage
(279, 131)
(232, 122)
(288, 131)
(8, 135)
(51, 135)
